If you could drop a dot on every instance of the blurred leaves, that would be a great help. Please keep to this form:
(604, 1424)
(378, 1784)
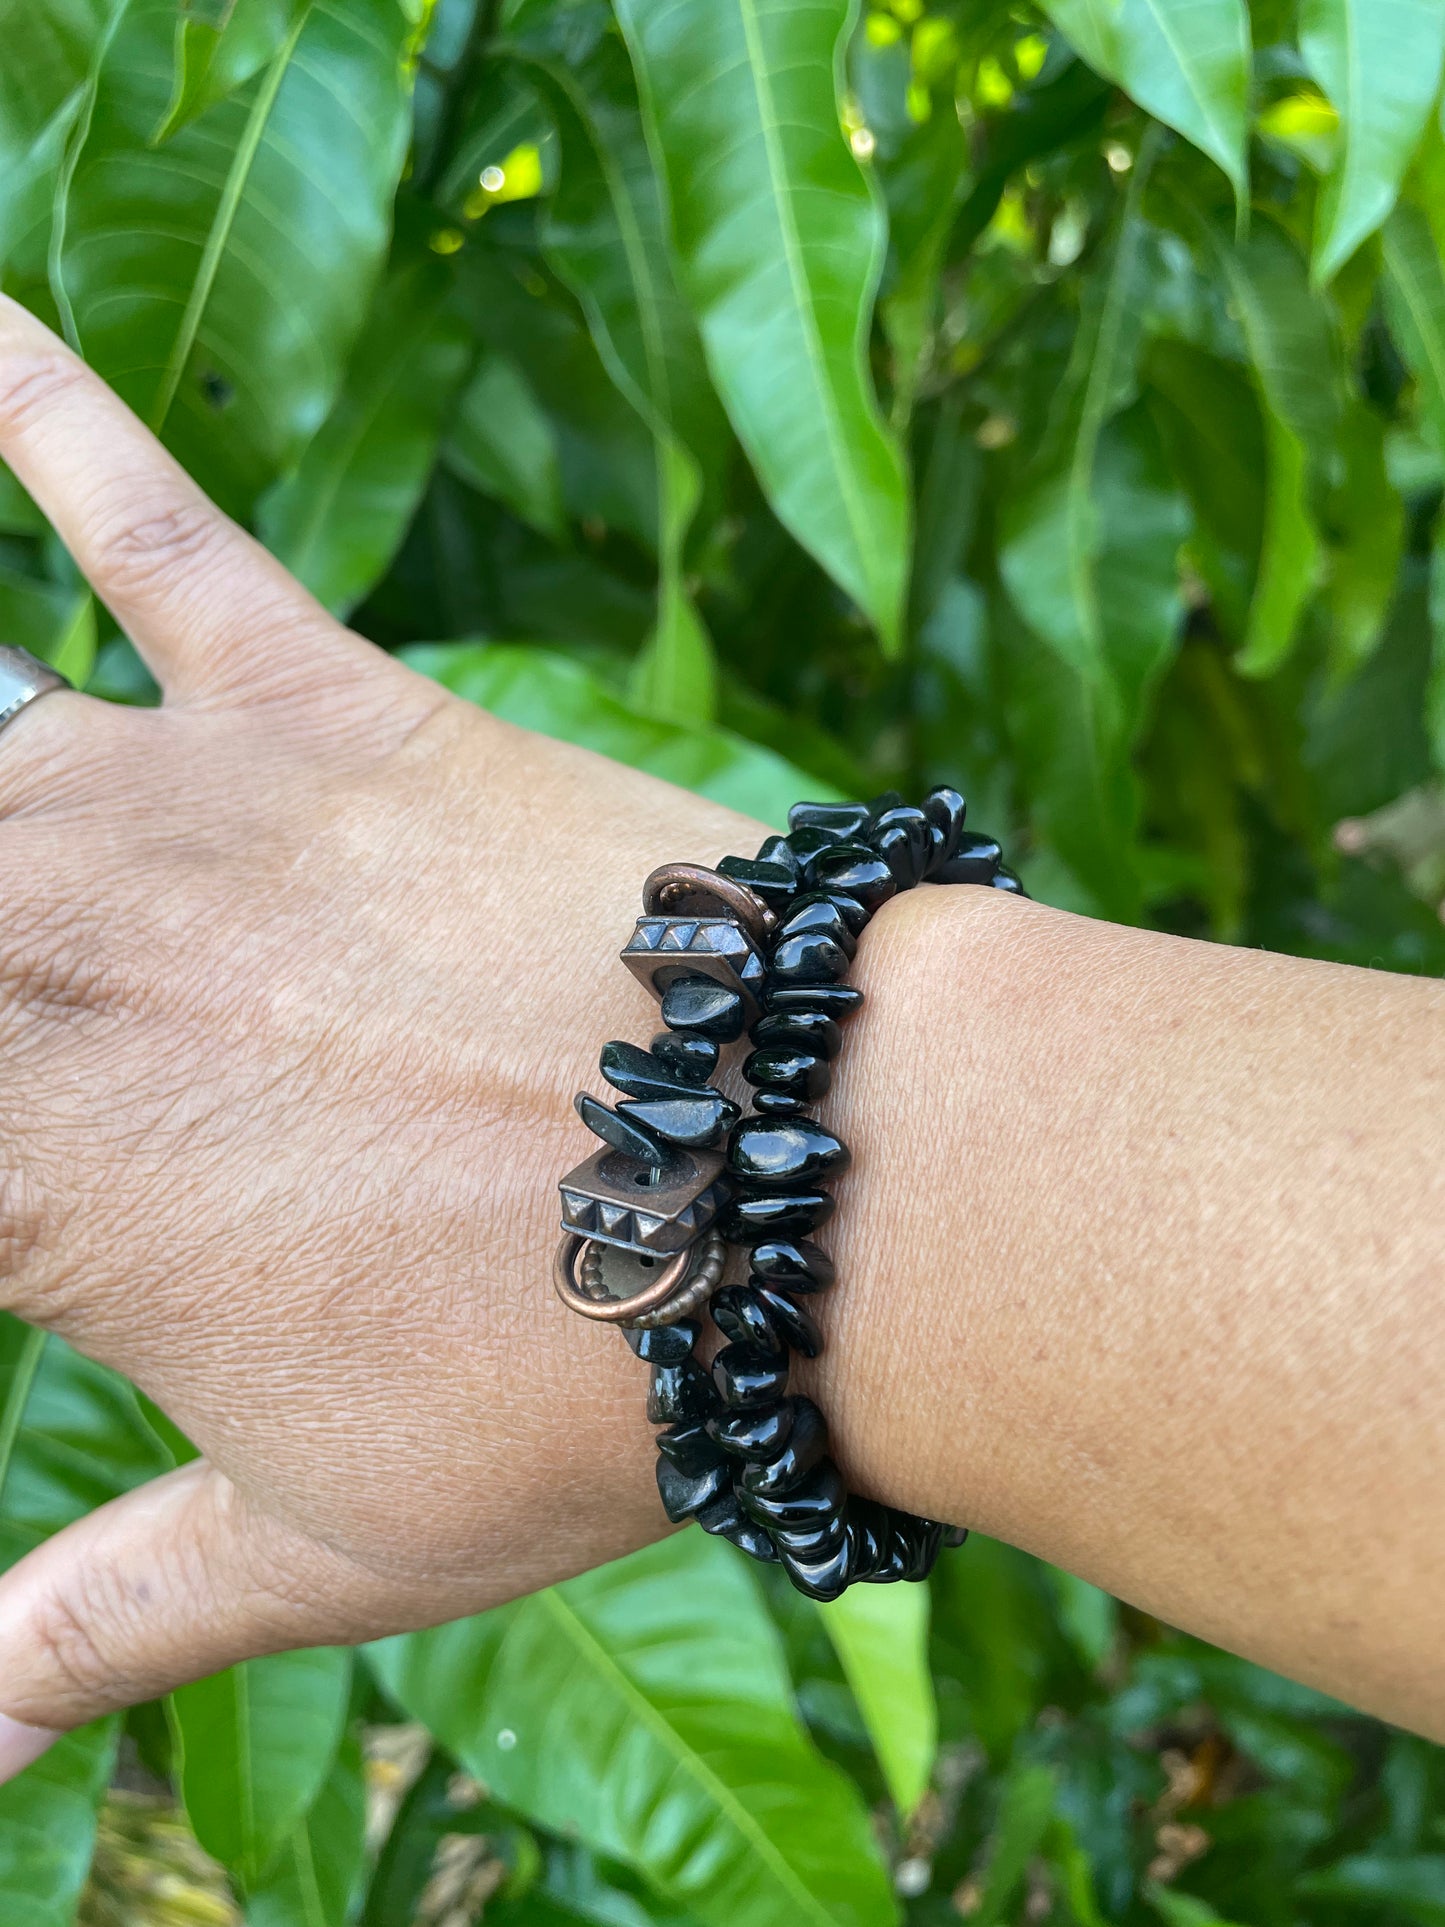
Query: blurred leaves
(1379, 63)
(47, 1828)
(780, 244)
(1184, 61)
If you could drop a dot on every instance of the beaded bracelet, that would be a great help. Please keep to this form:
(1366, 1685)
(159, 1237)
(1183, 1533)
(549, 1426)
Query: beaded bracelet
(761, 944)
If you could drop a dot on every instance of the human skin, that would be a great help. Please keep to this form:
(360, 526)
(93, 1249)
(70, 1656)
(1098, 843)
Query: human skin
(1140, 1258)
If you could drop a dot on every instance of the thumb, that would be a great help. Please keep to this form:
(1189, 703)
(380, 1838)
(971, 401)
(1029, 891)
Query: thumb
(169, 1584)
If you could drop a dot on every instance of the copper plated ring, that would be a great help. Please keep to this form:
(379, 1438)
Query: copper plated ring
(673, 889)
(613, 1311)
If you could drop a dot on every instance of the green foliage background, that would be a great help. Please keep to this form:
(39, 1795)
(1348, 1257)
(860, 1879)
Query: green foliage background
(1046, 398)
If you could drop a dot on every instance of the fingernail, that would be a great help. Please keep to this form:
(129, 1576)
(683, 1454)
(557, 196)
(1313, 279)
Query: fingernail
(21, 1746)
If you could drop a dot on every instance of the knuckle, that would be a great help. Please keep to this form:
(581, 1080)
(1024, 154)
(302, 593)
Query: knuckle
(31, 385)
(137, 551)
(69, 1648)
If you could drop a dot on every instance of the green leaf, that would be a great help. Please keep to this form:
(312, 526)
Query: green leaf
(880, 1634)
(220, 44)
(50, 619)
(780, 242)
(545, 691)
(1412, 1883)
(1052, 536)
(604, 235)
(1026, 1805)
(1295, 357)
(1415, 298)
(315, 1875)
(1379, 63)
(1077, 722)
(254, 1746)
(1366, 526)
(48, 55)
(71, 1438)
(47, 1828)
(338, 521)
(1177, 1909)
(1089, 556)
(226, 316)
(1088, 1615)
(645, 1710)
(503, 444)
(1187, 62)
(1289, 560)
(78, 1439)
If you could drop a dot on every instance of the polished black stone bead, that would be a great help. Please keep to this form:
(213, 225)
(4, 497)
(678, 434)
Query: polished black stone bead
(750, 1375)
(776, 1104)
(811, 957)
(828, 1000)
(760, 1432)
(638, 1073)
(751, 1539)
(801, 1030)
(1004, 879)
(680, 1393)
(822, 1579)
(886, 800)
(697, 1003)
(723, 1515)
(697, 1120)
(779, 1153)
(840, 819)
(731, 1523)
(664, 1344)
(869, 1535)
(810, 1541)
(684, 1493)
(621, 1132)
(818, 1497)
(927, 1544)
(792, 1214)
(849, 908)
(794, 1327)
(740, 1315)
(806, 1448)
(818, 913)
(945, 810)
(775, 883)
(794, 1073)
(777, 849)
(900, 837)
(976, 861)
(807, 841)
(693, 1056)
(955, 1536)
(912, 1548)
(854, 869)
(797, 1267)
(692, 1449)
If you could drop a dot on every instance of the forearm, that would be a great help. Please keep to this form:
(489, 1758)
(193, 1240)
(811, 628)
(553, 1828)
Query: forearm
(1140, 1268)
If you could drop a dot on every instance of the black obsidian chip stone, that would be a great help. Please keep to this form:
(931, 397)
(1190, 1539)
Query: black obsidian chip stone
(746, 1220)
(796, 1264)
(780, 1154)
(697, 1003)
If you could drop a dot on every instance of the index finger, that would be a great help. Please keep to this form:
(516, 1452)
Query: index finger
(208, 608)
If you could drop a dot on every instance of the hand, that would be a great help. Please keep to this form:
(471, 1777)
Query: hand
(298, 976)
